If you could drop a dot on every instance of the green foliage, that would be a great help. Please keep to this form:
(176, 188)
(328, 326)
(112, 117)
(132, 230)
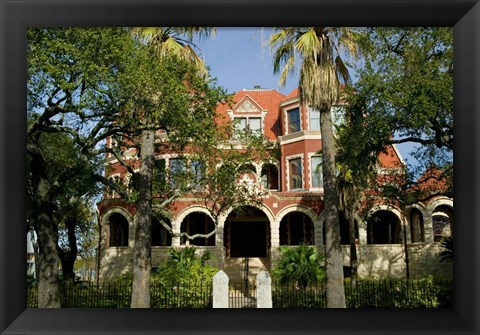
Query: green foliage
(184, 267)
(405, 89)
(184, 280)
(371, 293)
(400, 293)
(447, 254)
(301, 265)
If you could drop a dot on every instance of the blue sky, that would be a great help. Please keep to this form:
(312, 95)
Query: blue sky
(239, 58)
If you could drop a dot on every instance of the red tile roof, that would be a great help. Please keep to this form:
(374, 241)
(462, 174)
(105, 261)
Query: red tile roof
(432, 181)
(389, 158)
(292, 94)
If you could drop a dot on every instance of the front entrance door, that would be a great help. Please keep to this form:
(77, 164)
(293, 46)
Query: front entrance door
(248, 239)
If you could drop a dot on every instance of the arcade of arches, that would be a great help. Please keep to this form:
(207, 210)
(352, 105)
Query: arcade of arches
(251, 232)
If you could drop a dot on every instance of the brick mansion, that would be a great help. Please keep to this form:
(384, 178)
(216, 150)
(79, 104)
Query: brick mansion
(290, 212)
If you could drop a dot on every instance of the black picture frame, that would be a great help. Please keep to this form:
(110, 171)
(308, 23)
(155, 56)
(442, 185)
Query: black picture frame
(16, 16)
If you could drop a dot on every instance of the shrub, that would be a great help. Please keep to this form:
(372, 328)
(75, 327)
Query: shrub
(301, 265)
(184, 280)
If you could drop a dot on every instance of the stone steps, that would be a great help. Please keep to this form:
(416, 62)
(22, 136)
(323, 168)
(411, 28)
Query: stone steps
(234, 268)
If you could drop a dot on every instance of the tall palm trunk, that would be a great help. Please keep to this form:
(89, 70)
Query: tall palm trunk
(333, 249)
(143, 222)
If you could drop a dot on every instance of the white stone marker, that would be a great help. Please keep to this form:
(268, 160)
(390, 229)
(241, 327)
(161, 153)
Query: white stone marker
(264, 290)
(220, 290)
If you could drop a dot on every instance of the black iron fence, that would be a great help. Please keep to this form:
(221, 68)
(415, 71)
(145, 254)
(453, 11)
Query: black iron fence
(388, 293)
(242, 295)
(118, 295)
(394, 293)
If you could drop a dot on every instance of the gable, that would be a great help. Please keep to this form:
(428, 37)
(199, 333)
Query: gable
(247, 106)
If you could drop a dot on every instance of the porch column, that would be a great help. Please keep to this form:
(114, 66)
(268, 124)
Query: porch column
(176, 230)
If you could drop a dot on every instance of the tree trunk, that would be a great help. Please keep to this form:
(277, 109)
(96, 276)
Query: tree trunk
(333, 249)
(353, 248)
(47, 233)
(48, 285)
(68, 258)
(143, 232)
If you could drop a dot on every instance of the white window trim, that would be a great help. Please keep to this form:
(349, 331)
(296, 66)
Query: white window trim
(310, 180)
(285, 118)
(112, 193)
(287, 170)
(308, 119)
(248, 116)
(277, 165)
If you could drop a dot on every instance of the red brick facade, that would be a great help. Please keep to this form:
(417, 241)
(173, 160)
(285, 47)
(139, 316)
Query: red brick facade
(291, 212)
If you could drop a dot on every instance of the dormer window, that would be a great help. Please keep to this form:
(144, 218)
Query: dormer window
(253, 124)
(293, 119)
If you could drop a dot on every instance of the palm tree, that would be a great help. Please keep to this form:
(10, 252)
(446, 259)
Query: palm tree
(168, 41)
(322, 70)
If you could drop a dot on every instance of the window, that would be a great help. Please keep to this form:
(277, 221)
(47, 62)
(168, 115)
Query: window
(293, 120)
(116, 180)
(317, 174)
(270, 177)
(441, 223)
(337, 115)
(253, 124)
(118, 230)
(197, 174)
(313, 119)
(296, 180)
(296, 228)
(159, 176)
(417, 230)
(177, 169)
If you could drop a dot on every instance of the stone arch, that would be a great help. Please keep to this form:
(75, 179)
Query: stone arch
(442, 218)
(189, 210)
(298, 208)
(384, 225)
(432, 205)
(182, 216)
(296, 228)
(248, 233)
(262, 207)
(118, 233)
(417, 216)
(317, 222)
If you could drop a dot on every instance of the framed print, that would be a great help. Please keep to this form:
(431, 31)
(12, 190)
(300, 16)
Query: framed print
(17, 16)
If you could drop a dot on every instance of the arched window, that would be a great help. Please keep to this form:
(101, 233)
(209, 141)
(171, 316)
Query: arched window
(416, 226)
(160, 235)
(383, 227)
(442, 221)
(118, 230)
(198, 223)
(270, 177)
(296, 228)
